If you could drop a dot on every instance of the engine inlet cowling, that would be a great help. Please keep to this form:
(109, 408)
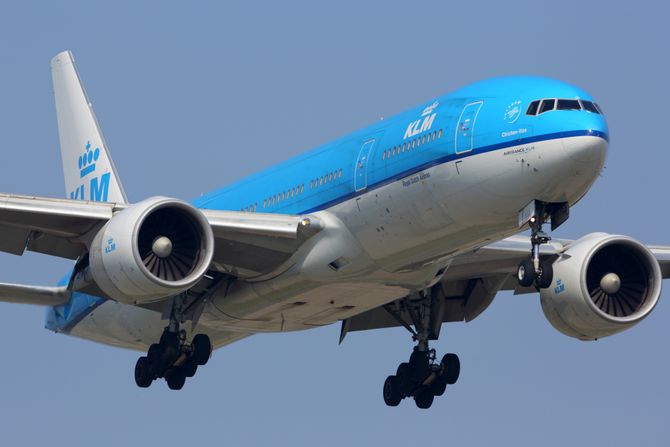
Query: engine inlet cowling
(155, 248)
(603, 284)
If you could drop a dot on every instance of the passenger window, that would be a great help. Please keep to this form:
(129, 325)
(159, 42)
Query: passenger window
(532, 108)
(568, 104)
(330, 177)
(384, 155)
(547, 105)
(423, 140)
(439, 134)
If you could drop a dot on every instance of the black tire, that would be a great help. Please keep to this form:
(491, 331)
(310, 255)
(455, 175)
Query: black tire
(424, 399)
(189, 367)
(169, 346)
(525, 273)
(451, 368)
(419, 364)
(175, 379)
(546, 275)
(143, 376)
(392, 394)
(154, 357)
(403, 375)
(439, 386)
(202, 349)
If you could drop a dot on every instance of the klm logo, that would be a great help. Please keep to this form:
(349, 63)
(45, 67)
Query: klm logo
(560, 287)
(98, 186)
(111, 246)
(424, 123)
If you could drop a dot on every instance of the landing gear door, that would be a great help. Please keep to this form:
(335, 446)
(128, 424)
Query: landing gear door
(465, 129)
(362, 162)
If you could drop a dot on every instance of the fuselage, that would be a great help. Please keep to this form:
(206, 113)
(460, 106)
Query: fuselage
(404, 195)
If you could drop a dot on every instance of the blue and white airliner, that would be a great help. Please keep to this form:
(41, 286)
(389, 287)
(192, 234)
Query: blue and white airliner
(410, 222)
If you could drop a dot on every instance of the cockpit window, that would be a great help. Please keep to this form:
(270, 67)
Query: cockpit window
(532, 108)
(547, 105)
(568, 104)
(589, 106)
(540, 106)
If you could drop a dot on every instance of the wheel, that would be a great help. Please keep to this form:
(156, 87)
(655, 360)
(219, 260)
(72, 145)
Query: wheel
(189, 367)
(451, 368)
(439, 386)
(419, 366)
(202, 349)
(169, 346)
(545, 275)
(175, 379)
(403, 375)
(392, 395)
(424, 399)
(154, 356)
(525, 273)
(143, 377)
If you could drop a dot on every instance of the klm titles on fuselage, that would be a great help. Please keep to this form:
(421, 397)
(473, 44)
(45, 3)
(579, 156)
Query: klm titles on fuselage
(424, 123)
(98, 185)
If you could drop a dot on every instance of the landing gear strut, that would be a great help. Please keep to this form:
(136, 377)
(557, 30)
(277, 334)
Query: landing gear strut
(173, 357)
(422, 377)
(536, 270)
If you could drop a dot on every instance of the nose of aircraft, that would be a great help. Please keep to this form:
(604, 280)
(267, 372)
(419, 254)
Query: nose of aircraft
(589, 150)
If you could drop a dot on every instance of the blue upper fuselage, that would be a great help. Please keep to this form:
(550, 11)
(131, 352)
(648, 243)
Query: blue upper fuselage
(482, 117)
(485, 116)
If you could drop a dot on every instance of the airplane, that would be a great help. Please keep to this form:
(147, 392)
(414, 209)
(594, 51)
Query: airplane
(411, 222)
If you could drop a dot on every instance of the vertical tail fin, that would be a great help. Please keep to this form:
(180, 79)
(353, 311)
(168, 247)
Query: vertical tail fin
(87, 165)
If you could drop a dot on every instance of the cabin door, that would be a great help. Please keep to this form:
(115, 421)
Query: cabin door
(465, 130)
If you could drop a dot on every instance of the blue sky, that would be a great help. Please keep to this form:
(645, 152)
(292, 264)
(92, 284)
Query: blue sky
(194, 95)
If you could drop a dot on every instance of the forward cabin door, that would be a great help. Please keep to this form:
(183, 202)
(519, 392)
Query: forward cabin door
(465, 129)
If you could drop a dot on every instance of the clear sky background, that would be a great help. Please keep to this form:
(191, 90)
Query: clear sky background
(194, 95)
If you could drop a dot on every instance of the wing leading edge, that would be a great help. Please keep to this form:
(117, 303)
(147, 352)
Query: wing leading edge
(472, 282)
(246, 244)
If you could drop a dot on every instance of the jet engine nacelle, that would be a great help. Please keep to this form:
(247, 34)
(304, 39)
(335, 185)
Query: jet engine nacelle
(603, 284)
(155, 248)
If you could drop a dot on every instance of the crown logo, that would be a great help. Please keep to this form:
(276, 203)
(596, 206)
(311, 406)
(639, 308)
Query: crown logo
(428, 110)
(87, 160)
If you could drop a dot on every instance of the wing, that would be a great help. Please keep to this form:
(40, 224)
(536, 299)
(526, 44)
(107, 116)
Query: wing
(473, 280)
(246, 244)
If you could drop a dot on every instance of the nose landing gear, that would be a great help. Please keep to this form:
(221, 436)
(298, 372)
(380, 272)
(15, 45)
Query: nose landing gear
(535, 270)
(421, 378)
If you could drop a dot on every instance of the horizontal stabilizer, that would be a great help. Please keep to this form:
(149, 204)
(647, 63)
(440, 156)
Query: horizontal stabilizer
(42, 296)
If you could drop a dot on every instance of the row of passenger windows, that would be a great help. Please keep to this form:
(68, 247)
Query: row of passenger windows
(315, 183)
(282, 196)
(408, 145)
(546, 105)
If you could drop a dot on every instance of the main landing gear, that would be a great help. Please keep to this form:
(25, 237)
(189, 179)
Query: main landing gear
(536, 270)
(173, 357)
(421, 378)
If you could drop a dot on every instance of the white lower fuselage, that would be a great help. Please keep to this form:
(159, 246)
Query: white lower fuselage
(389, 242)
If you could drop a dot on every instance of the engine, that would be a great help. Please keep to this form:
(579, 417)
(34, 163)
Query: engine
(153, 249)
(603, 284)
